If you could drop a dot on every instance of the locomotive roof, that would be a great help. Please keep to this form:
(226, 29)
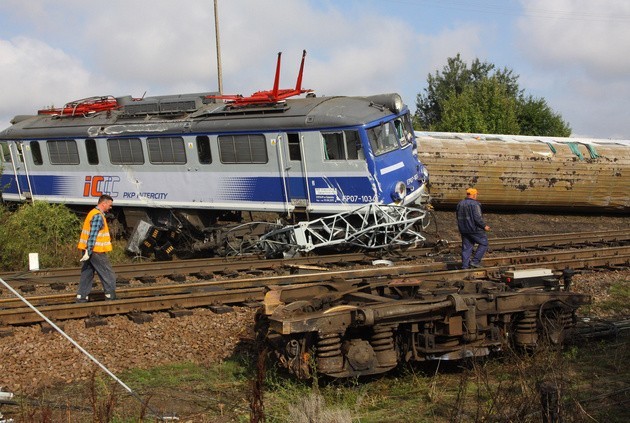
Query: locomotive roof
(134, 117)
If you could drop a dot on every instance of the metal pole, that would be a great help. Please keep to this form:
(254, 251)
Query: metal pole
(218, 41)
(80, 348)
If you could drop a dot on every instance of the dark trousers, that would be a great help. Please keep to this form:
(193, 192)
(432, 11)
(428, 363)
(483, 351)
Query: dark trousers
(99, 263)
(468, 243)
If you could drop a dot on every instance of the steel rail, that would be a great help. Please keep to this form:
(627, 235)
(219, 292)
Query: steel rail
(206, 293)
(428, 271)
(254, 265)
(432, 270)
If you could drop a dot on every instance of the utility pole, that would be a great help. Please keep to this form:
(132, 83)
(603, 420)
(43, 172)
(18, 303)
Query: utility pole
(216, 31)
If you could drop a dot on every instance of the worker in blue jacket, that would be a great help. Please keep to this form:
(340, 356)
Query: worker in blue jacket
(472, 229)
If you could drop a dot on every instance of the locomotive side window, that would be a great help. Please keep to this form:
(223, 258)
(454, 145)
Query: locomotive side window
(125, 151)
(36, 152)
(353, 144)
(402, 132)
(408, 127)
(333, 145)
(20, 152)
(6, 154)
(248, 148)
(294, 147)
(166, 150)
(63, 152)
(203, 149)
(343, 145)
(92, 152)
(383, 138)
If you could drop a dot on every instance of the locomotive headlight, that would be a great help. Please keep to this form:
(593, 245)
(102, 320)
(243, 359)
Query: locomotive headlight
(392, 101)
(400, 191)
(423, 173)
(397, 103)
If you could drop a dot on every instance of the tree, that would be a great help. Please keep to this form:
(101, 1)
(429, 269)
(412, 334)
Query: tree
(484, 108)
(537, 118)
(482, 99)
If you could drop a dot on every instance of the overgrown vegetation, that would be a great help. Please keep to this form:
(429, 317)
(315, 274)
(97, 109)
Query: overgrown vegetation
(618, 301)
(48, 229)
(590, 381)
(51, 230)
(481, 99)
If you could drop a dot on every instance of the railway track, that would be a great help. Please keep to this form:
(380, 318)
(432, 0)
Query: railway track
(212, 292)
(255, 266)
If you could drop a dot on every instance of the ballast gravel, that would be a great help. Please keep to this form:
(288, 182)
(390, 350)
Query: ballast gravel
(31, 360)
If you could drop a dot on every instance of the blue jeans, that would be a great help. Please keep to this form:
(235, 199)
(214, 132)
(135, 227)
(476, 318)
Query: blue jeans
(468, 243)
(99, 263)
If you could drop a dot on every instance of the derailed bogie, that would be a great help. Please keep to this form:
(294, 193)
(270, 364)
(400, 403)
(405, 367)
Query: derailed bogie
(187, 233)
(370, 330)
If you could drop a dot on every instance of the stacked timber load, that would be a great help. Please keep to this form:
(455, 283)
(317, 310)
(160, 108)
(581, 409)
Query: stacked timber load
(528, 173)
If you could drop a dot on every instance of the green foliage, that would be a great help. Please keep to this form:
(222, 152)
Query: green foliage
(537, 118)
(48, 229)
(484, 108)
(618, 300)
(228, 373)
(482, 99)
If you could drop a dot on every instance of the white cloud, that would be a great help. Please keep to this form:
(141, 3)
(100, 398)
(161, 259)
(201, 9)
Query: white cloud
(465, 39)
(35, 75)
(578, 55)
(594, 36)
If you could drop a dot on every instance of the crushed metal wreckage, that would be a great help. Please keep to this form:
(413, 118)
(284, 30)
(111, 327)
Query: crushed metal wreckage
(369, 227)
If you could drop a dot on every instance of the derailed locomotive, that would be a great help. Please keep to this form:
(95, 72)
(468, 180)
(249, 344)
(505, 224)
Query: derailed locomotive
(179, 167)
(344, 329)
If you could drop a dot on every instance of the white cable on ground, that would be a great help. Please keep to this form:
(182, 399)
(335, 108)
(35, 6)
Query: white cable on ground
(79, 347)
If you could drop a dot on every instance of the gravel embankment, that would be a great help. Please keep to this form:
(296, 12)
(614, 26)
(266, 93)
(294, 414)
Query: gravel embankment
(32, 360)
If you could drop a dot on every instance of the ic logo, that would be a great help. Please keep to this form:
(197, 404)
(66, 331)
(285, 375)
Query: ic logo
(97, 185)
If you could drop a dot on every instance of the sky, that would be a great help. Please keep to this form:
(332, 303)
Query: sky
(572, 53)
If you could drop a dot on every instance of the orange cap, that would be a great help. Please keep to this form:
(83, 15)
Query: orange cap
(471, 191)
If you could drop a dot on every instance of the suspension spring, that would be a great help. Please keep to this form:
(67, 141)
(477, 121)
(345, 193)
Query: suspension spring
(382, 342)
(527, 324)
(526, 329)
(329, 345)
(567, 319)
(382, 339)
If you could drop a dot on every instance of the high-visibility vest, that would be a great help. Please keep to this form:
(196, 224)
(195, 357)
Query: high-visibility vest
(103, 241)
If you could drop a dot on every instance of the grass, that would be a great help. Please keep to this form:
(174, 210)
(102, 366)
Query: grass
(592, 380)
(618, 301)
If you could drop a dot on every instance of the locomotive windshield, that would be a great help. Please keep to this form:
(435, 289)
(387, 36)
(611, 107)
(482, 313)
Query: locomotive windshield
(390, 135)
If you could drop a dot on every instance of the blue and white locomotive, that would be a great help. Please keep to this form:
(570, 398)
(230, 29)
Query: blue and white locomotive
(191, 161)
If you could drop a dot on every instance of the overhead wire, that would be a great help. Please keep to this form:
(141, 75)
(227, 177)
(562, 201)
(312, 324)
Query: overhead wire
(517, 10)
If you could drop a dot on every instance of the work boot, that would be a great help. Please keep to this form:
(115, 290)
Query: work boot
(476, 265)
(109, 296)
(81, 299)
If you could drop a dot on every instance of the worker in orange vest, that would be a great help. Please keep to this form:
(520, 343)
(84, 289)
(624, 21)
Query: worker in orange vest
(95, 242)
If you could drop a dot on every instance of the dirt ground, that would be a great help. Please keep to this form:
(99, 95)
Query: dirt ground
(509, 224)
